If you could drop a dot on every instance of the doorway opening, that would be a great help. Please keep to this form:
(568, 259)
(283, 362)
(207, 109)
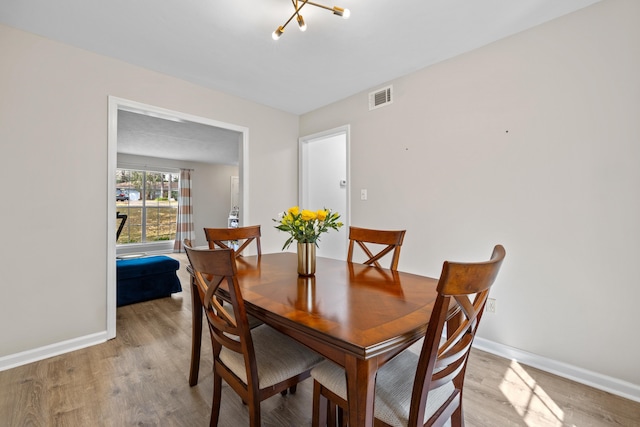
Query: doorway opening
(116, 107)
(324, 183)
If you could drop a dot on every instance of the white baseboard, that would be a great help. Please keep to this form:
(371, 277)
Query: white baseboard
(29, 356)
(592, 379)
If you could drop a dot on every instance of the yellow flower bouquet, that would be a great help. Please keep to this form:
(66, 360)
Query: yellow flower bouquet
(305, 226)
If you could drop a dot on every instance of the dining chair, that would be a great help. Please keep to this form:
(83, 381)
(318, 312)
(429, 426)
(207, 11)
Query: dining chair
(257, 363)
(422, 389)
(196, 328)
(220, 238)
(369, 240)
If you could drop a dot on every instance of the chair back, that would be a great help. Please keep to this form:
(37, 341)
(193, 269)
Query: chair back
(211, 269)
(463, 289)
(220, 237)
(371, 240)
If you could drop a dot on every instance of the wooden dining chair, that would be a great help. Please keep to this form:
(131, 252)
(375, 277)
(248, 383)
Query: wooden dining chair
(243, 236)
(196, 320)
(257, 363)
(425, 389)
(220, 238)
(370, 240)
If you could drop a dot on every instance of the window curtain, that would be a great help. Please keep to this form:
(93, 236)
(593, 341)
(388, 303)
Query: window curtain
(184, 223)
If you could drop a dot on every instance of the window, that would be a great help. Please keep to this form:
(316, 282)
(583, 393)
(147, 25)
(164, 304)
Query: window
(150, 201)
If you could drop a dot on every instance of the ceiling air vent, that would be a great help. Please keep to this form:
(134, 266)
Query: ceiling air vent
(380, 98)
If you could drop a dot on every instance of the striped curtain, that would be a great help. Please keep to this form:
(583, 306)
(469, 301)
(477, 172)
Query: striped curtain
(184, 226)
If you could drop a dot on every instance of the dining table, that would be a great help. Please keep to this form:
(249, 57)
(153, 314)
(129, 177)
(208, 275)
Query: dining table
(355, 315)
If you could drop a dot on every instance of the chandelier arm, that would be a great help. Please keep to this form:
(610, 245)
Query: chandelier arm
(319, 5)
(295, 4)
(296, 11)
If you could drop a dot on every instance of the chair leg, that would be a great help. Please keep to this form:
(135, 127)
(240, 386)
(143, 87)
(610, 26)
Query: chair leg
(217, 397)
(319, 417)
(331, 414)
(196, 333)
(457, 418)
(291, 390)
(254, 414)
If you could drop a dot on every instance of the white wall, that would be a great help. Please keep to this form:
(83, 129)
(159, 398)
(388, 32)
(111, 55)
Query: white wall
(213, 188)
(53, 141)
(532, 142)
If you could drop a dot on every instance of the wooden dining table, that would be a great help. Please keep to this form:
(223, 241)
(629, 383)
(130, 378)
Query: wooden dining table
(358, 316)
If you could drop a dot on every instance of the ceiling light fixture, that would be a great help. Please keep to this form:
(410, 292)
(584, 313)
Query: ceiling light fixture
(299, 4)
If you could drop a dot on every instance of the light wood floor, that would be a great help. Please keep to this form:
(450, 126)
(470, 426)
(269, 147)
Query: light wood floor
(141, 378)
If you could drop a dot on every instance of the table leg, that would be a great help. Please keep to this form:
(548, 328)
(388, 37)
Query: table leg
(361, 383)
(196, 333)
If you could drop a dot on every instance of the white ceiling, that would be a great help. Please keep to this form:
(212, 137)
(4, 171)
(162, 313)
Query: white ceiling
(146, 135)
(226, 44)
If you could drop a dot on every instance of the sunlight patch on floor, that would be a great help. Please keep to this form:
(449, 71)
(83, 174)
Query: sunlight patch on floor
(532, 403)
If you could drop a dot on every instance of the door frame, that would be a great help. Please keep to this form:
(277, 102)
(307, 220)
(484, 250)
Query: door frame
(116, 104)
(302, 183)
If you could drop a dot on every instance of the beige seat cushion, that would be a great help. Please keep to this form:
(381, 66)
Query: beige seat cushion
(278, 357)
(394, 384)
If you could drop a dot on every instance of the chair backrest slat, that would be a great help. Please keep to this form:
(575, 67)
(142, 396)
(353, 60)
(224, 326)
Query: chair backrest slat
(220, 238)
(366, 238)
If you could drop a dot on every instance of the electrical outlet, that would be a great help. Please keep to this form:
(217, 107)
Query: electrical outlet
(363, 194)
(490, 307)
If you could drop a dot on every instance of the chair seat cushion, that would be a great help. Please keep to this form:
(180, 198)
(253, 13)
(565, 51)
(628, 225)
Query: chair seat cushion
(394, 384)
(278, 357)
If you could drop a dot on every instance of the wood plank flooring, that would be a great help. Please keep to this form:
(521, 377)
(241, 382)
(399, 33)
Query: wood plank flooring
(141, 379)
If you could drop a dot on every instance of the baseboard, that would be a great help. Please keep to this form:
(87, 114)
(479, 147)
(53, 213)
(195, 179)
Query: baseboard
(592, 379)
(36, 354)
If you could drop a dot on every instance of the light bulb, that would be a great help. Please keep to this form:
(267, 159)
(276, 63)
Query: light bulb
(345, 13)
(301, 24)
(277, 33)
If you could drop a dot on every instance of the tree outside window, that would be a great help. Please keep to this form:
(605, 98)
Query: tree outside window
(150, 201)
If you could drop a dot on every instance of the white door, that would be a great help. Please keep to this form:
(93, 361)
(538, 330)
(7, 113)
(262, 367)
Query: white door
(324, 183)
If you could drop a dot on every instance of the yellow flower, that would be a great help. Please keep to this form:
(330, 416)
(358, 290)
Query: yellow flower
(295, 210)
(287, 219)
(308, 215)
(306, 226)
